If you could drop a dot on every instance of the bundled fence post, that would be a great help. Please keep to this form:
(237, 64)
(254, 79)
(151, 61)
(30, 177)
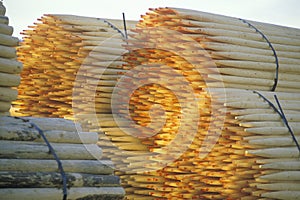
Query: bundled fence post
(36, 167)
(174, 105)
(10, 68)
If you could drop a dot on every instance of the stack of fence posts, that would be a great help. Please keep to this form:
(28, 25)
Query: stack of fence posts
(34, 168)
(10, 68)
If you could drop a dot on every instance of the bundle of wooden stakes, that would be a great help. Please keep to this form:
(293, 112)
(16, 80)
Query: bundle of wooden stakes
(175, 51)
(178, 113)
(10, 68)
(30, 170)
(268, 132)
(55, 51)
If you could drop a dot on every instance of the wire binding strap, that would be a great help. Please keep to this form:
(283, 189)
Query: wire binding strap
(125, 28)
(52, 151)
(114, 27)
(282, 115)
(287, 123)
(274, 52)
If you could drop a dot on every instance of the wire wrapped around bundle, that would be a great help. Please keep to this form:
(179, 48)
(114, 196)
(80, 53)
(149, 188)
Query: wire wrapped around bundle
(174, 107)
(176, 59)
(63, 52)
(52, 158)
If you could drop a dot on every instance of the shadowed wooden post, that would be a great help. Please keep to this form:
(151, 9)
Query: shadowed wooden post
(28, 168)
(10, 68)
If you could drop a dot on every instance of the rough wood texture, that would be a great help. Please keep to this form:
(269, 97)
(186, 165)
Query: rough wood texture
(10, 68)
(2, 9)
(210, 51)
(30, 134)
(4, 20)
(39, 150)
(27, 166)
(266, 139)
(8, 40)
(55, 130)
(53, 124)
(72, 166)
(8, 94)
(5, 29)
(81, 193)
(53, 180)
(8, 52)
(4, 106)
(9, 80)
(33, 174)
(44, 124)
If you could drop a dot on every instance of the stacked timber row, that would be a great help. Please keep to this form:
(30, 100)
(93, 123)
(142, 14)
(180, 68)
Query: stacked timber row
(270, 166)
(242, 50)
(208, 51)
(29, 170)
(62, 52)
(10, 68)
(176, 59)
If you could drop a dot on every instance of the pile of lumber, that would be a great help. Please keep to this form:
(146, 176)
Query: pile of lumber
(270, 166)
(242, 50)
(63, 52)
(174, 52)
(174, 104)
(29, 170)
(10, 68)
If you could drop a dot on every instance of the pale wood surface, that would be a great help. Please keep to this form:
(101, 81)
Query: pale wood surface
(72, 166)
(113, 193)
(39, 150)
(234, 55)
(9, 67)
(53, 180)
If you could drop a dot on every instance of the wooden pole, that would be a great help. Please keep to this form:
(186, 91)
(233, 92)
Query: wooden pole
(5, 29)
(103, 167)
(113, 193)
(56, 136)
(282, 195)
(36, 150)
(10, 66)
(53, 180)
(8, 40)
